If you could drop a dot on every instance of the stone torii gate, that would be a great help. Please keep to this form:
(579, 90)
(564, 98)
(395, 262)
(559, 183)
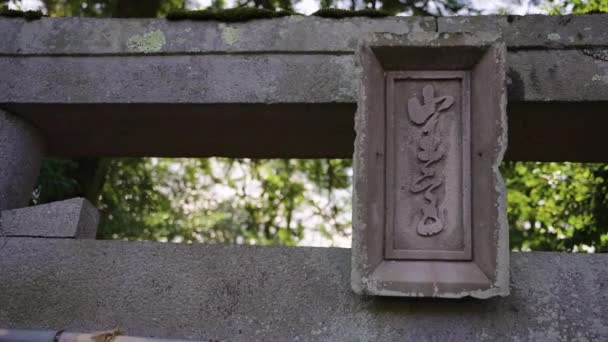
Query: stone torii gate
(284, 88)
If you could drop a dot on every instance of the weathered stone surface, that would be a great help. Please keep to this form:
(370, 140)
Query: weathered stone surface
(73, 36)
(535, 31)
(209, 79)
(21, 149)
(72, 218)
(240, 293)
(543, 79)
(534, 76)
(80, 36)
(429, 213)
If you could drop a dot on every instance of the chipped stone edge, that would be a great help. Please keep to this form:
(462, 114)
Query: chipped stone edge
(88, 220)
(359, 226)
(503, 253)
(426, 38)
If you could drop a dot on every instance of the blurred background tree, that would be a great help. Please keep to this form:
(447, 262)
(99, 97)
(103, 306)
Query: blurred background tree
(577, 6)
(551, 206)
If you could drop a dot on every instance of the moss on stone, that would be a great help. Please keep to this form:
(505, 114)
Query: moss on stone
(147, 43)
(227, 15)
(337, 13)
(28, 15)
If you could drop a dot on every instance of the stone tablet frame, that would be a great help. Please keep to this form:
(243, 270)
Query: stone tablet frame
(473, 257)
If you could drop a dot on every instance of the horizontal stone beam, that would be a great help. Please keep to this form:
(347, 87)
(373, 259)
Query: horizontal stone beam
(534, 76)
(238, 293)
(81, 36)
(107, 87)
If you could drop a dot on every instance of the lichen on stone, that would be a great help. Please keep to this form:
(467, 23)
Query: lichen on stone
(147, 43)
(27, 15)
(231, 35)
(227, 15)
(337, 13)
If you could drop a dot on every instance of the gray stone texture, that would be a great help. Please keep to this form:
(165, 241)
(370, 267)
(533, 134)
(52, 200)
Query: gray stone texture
(85, 37)
(85, 77)
(80, 36)
(72, 218)
(535, 31)
(240, 293)
(21, 149)
(184, 79)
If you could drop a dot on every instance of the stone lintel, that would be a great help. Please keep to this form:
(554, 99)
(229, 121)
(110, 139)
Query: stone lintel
(189, 82)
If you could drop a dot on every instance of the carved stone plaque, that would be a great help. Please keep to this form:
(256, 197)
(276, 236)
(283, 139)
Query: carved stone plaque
(429, 215)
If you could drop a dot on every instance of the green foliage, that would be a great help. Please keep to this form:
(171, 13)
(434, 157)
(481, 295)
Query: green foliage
(590, 6)
(326, 3)
(225, 200)
(57, 181)
(217, 4)
(62, 179)
(227, 15)
(111, 8)
(341, 13)
(557, 206)
(577, 7)
(28, 15)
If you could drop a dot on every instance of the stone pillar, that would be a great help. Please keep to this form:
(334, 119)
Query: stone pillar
(21, 149)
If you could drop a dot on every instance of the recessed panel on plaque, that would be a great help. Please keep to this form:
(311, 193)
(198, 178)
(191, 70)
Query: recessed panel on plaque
(429, 213)
(428, 165)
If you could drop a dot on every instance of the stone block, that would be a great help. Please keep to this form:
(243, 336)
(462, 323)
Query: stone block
(429, 202)
(21, 149)
(72, 218)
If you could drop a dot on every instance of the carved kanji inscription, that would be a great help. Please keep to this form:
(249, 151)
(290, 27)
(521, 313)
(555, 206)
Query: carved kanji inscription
(427, 175)
(431, 151)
